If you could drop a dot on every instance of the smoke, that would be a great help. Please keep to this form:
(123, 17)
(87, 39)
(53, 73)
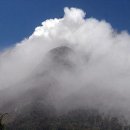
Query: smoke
(70, 62)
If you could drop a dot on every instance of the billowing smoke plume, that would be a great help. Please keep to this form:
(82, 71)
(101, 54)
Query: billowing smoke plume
(69, 63)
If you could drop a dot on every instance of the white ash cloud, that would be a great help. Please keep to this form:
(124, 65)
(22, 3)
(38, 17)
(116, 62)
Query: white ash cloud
(99, 75)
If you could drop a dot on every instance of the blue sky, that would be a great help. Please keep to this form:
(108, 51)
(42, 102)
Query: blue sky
(18, 18)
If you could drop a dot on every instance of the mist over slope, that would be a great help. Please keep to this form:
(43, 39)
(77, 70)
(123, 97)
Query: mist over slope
(68, 63)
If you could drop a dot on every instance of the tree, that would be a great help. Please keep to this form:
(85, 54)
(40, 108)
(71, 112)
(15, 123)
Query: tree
(2, 124)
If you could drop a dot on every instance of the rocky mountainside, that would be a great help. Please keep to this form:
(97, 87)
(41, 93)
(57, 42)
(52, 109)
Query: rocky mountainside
(47, 104)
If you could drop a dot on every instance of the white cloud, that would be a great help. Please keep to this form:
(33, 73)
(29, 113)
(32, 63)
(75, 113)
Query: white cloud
(101, 59)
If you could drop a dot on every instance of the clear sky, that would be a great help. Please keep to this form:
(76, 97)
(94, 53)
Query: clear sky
(18, 18)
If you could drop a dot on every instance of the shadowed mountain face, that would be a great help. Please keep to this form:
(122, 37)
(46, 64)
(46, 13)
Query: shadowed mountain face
(60, 55)
(49, 103)
(60, 59)
(44, 119)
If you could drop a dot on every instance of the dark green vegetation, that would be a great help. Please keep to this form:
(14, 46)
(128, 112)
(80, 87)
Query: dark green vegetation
(2, 118)
(73, 120)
